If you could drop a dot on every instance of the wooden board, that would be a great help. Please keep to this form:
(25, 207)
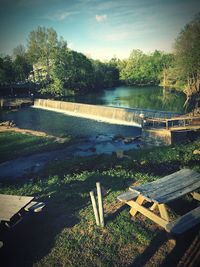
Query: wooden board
(127, 196)
(170, 187)
(11, 205)
(184, 222)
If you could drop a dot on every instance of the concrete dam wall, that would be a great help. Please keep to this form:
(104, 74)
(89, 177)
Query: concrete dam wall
(103, 113)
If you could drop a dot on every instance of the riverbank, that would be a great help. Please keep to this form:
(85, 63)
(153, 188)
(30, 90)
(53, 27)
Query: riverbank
(65, 234)
(8, 127)
(15, 142)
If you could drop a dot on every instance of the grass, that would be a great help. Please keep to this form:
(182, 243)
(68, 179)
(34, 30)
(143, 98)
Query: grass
(65, 234)
(14, 145)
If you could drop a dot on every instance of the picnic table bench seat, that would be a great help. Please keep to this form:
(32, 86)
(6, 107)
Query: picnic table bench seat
(126, 196)
(184, 222)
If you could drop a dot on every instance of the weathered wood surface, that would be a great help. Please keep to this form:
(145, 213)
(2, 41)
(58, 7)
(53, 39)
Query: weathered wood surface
(35, 206)
(127, 196)
(11, 205)
(136, 206)
(170, 187)
(185, 222)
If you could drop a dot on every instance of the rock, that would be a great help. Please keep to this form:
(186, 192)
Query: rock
(118, 137)
(120, 154)
(92, 149)
(129, 140)
(7, 124)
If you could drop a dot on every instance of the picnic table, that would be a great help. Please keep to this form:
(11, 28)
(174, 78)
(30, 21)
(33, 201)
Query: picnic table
(161, 192)
(11, 207)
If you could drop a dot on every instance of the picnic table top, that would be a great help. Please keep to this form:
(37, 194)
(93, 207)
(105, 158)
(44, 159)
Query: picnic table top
(11, 205)
(170, 187)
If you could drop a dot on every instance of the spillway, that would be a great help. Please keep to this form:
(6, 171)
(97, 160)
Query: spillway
(107, 114)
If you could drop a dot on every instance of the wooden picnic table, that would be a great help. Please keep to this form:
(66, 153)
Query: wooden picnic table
(162, 191)
(11, 205)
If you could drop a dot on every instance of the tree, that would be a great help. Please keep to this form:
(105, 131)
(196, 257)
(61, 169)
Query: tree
(187, 52)
(42, 44)
(7, 73)
(144, 69)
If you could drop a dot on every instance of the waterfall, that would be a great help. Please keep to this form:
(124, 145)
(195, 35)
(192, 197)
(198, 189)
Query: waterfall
(103, 113)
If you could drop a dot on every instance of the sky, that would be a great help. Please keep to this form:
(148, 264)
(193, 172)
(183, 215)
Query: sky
(98, 28)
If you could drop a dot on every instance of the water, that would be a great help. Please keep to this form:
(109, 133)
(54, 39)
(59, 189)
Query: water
(154, 98)
(93, 132)
(59, 124)
(95, 137)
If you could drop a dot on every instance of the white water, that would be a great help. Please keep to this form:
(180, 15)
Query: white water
(111, 115)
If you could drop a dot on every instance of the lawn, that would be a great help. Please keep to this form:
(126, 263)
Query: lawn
(14, 144)
(65, 234)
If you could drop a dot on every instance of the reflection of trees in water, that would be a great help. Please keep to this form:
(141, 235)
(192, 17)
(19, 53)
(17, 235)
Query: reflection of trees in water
(192, 102)
(173, 100)
(160, 101)
(135, 97)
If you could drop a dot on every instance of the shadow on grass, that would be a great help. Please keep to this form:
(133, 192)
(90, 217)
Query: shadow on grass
(186, 251)
(186, 246)
(36, 235)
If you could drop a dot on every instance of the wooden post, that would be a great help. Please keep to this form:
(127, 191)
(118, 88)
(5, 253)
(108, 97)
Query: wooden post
(100, 202)
(94, 205)
(167, 125)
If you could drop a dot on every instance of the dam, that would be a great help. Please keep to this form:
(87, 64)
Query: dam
(115, 115)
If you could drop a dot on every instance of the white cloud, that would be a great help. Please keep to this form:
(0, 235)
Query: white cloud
(61, 15)
(101, 18)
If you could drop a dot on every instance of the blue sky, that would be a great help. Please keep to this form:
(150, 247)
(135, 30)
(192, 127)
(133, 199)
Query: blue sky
(101, 29)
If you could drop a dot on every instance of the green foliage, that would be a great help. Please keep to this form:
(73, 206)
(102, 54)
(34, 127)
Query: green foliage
(22, 68)
(187, 48)
(106, 74)
(7, 73)
(185, 72)
(143, 69)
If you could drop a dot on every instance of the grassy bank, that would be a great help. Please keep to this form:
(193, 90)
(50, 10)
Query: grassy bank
(65, 234)
(14, 144)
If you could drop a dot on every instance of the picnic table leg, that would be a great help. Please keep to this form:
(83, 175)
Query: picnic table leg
(136, 207)
(196, 195)
(140, 199)
(153, 207)
(163, 212)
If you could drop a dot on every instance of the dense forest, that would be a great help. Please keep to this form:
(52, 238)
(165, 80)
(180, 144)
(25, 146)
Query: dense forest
(54, 70)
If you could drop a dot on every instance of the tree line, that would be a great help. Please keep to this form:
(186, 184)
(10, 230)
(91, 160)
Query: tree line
(59, 71)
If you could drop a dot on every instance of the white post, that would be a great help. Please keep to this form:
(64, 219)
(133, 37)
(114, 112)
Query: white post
(100, 202)
(94, 205)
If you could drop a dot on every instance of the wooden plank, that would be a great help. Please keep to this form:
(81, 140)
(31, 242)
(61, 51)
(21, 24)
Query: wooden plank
(127, 196)
(140, 199)
(153, 207)
(11, 205)
(170, 187)
(148, 213)
(184, 222)
(163, 212)
(94, 205)
(174, 179)
(196, 195)
(35, 206)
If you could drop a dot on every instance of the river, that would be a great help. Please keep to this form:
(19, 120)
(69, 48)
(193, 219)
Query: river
(149, 97)
(95, 137)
